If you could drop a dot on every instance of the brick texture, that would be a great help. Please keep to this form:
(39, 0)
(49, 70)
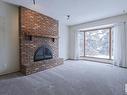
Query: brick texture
(36, 30)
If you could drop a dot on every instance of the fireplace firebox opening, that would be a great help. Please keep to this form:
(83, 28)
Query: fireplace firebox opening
(43, 53)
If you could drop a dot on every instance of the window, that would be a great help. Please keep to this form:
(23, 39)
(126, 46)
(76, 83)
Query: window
(96, 43)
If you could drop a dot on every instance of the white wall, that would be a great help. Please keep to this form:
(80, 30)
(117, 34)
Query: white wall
(101, 22)
(105, 21)
(63, 41)
(9, 39)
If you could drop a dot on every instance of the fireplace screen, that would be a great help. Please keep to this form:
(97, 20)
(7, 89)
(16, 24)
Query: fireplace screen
(43, 53)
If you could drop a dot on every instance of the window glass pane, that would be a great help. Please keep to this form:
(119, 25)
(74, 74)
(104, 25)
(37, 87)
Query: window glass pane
(81, 43)
(97, 43)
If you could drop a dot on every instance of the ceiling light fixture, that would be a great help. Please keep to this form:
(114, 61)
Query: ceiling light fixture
(124, 11)
(68, 17)
(34, 2)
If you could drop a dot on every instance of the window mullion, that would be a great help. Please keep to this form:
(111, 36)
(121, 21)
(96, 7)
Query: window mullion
(84, 43)
(110, 43)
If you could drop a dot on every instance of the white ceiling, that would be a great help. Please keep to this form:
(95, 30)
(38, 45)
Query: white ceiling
(79, 10)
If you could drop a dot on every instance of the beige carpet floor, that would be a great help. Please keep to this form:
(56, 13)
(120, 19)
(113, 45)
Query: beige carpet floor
(71, 78)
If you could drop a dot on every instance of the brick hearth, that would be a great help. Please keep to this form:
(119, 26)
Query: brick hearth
(36, 30)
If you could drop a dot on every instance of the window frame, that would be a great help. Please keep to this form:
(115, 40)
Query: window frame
(110, 43)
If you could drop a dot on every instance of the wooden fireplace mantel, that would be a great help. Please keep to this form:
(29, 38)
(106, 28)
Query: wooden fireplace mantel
(44, 36)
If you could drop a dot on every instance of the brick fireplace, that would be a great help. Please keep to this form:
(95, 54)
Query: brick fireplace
(38, 42)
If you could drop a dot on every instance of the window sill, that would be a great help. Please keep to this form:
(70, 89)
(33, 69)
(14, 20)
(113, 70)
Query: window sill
(97, 60)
